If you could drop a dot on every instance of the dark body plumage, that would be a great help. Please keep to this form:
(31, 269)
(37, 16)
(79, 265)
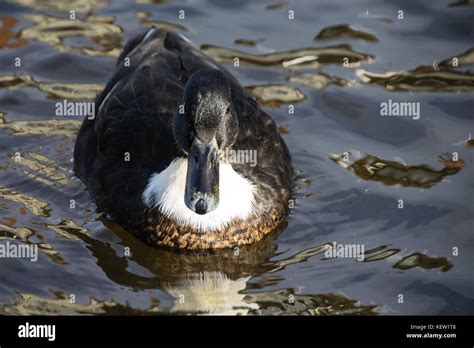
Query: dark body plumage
(134, 116)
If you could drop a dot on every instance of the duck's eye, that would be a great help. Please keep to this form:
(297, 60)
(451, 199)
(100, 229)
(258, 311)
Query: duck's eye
(227, 111)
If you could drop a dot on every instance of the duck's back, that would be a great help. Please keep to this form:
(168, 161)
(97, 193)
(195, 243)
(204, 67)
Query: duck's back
(131, 136)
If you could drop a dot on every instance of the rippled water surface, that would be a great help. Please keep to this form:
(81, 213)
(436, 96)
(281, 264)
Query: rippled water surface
(335, 63)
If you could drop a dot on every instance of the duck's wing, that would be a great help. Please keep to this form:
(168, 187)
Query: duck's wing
(131, 136)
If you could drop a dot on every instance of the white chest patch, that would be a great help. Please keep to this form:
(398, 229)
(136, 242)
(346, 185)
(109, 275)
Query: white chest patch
(165, 190)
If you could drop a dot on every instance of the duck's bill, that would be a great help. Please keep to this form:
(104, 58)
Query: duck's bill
(202, 181)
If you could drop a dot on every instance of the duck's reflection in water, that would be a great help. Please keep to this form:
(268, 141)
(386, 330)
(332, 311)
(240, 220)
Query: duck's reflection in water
(211, 293)
(213, 282)
(200, 282)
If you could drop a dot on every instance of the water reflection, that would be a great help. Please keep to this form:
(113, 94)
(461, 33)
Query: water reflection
(344, 31)
(210, 293)
(9, 38)
(384, 254)
(68, 229)
(231, 302)
(318, 80)
(81, 6)
(145, 20)
(28, 304)
(421, 79)
(40, 168)
(30, 237)
(305, 58)
(67, 128)
(212, 282)
(424, 261)
(369, 167)
(50, 128)
(201, 283)
(100, 30)
(275, 95)
(285, 301)
(34, 205)
(169, 266)
(55, 90)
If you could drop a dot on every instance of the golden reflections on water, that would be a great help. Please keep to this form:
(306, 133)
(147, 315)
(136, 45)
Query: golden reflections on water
(61, 6)
(301, 256)
(423, 261)
(318, 80)
(55, 90)
(33, 205)
(286, 301)
(305, 58)
(41, 168)
(28, 304)
(67, 128)
(382, 255)
(145, 20)
(66, 229)
(373, 168)
(58, 90)
(275, 95)
(421, 79)
(105, 36)
(413, 260)
(23, 235)
(345, 31)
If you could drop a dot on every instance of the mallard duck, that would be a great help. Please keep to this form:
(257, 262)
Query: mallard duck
(179, 154)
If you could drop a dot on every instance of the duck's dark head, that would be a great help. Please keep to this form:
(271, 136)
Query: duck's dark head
(204, 126)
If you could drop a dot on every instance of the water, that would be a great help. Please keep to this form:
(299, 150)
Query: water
(421, 254)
